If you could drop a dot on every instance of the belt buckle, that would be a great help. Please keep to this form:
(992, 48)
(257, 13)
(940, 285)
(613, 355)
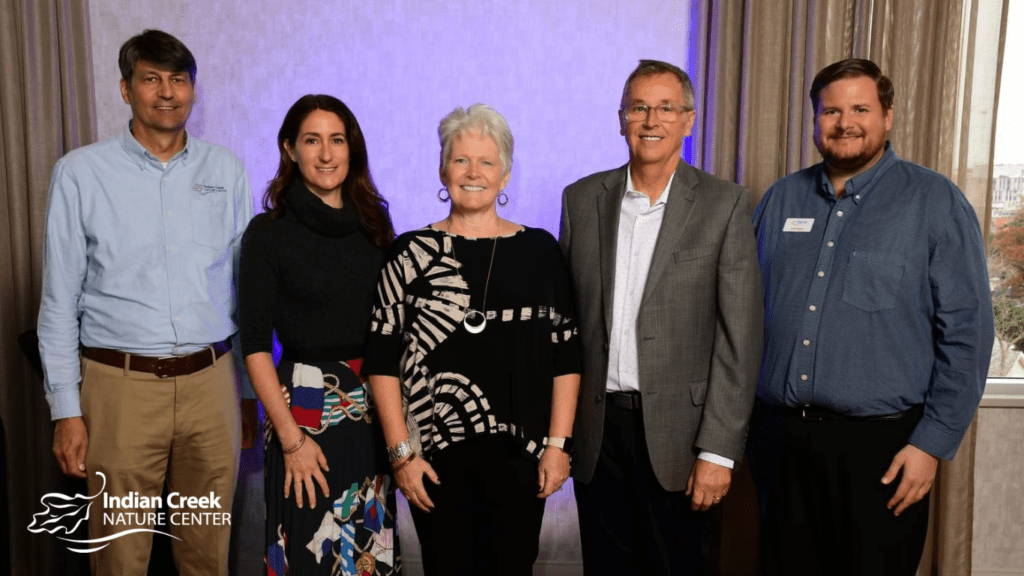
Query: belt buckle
(163, 368)
(807, 415)
(634, 401)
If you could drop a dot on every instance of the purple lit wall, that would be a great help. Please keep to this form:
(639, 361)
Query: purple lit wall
(553, 69)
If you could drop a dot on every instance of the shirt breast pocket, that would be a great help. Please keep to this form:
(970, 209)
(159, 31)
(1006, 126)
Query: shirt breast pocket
(211, 225)
(873, 280)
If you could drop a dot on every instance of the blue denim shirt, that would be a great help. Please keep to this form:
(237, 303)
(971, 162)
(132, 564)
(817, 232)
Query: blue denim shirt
(138, 257)
(875, 301)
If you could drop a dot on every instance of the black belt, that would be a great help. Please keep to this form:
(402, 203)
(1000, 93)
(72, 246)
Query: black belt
(820, 414)
(161, 367)
(624, 400)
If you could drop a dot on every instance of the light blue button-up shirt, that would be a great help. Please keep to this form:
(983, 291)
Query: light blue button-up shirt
(139, 257)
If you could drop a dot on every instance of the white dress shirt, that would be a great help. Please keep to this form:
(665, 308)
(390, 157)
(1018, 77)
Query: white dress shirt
(639, 225)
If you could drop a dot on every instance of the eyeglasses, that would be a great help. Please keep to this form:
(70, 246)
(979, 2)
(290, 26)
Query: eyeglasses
(664, 112)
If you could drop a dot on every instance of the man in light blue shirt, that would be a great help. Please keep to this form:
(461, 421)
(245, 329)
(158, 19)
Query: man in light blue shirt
(138, 314)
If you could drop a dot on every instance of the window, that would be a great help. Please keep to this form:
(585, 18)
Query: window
(1006, 232)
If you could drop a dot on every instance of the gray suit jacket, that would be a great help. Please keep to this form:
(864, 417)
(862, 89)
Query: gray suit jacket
(700, 323)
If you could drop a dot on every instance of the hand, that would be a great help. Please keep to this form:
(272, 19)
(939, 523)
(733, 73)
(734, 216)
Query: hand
(918, 475)
(70, 445)
(249, 425)
(552, 471)
(302, 467)
(410, 481)
(708, 484)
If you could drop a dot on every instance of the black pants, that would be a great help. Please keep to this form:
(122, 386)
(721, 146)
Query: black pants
(629, 524)
(823, 505)
(487, 516)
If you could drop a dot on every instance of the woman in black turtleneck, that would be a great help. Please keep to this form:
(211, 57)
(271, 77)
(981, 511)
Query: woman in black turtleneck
(308, 271)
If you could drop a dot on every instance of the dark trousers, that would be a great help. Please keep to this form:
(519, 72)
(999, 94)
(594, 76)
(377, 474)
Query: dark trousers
(629, 524)
(823, 505)
(487, 516)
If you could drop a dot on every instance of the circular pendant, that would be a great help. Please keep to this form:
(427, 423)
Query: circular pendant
(475, 321)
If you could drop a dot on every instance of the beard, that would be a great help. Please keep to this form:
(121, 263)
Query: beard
(850, 159)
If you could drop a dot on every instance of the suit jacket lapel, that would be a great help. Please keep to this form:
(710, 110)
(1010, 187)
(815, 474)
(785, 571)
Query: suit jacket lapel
(609, 205)
(678, 209)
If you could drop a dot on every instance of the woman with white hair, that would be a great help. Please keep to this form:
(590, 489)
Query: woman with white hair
(474, 363)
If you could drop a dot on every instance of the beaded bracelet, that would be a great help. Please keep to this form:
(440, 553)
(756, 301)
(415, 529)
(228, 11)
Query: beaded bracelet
(404, 463)
(295, 447)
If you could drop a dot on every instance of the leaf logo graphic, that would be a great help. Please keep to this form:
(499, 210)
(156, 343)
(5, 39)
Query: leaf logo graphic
(67, 513)
(63, 512)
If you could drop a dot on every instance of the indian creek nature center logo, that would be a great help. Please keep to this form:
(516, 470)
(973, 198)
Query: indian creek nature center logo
(64, 514)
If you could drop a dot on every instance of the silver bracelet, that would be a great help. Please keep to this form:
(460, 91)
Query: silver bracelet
(399, 451)
(403, 464)
(295, 447)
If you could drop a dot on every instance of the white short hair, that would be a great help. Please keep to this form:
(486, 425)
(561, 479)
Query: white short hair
(478, 118)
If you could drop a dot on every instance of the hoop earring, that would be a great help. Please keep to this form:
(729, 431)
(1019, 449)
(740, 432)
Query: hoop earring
(502, 199)
(443, 195)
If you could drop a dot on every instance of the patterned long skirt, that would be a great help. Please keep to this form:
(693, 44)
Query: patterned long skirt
(352, 532)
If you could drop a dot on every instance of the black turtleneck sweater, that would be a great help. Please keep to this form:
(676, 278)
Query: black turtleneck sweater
(309, 275)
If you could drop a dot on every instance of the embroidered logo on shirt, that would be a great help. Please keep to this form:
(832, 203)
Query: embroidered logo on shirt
(798, 225)
(207, 188)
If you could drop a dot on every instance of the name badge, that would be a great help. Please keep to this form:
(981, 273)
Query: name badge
(798, 225)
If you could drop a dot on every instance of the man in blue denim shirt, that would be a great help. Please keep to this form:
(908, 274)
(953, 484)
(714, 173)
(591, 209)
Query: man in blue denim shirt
(137, 316)
(878, 334)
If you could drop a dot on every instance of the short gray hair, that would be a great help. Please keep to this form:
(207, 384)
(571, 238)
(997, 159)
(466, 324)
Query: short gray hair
(654, 67)
(478, 118)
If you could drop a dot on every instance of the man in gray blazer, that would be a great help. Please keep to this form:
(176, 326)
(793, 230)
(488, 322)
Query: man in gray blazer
(665, 270)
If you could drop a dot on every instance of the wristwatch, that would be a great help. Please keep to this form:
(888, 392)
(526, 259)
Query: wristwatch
(563, 444)
(399, 451)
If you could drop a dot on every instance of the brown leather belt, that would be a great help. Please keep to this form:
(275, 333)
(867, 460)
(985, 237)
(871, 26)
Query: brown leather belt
(161, 367)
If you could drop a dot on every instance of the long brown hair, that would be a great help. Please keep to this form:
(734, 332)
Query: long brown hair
(357, 190)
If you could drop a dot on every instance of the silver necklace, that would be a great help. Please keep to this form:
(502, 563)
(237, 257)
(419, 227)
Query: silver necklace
(475, 321)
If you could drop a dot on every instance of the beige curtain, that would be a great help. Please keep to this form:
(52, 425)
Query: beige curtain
(753, 68)
(46, 109)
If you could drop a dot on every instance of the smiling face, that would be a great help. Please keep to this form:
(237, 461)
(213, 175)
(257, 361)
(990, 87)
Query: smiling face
(161, 101)
(321, 152)
(654, 141)
(474, 174)
(850, 126)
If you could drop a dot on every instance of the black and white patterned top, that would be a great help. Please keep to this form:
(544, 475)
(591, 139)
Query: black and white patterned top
(459, 385)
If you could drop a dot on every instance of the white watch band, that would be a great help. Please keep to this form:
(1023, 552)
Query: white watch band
(556, 442)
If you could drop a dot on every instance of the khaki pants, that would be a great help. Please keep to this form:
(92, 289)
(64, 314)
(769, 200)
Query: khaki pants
(143, 430)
